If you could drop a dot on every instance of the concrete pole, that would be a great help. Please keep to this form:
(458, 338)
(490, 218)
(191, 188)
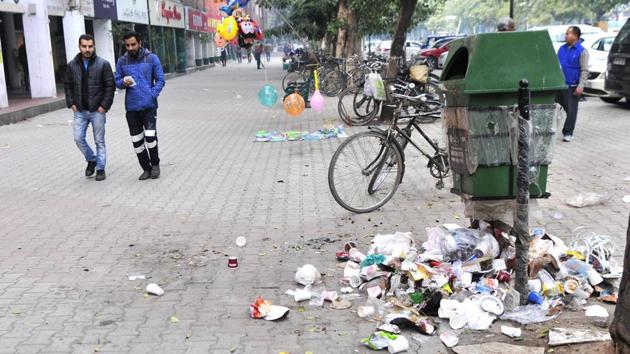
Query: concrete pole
(104, 41)
(198, 51)
(11, 45)
(204, 50)
(39, 50)
(4, 97)
(190, 49)
(73, 27)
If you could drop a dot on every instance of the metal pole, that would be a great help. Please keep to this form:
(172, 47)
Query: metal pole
(149, 26)
(512, 9)
(521, 217)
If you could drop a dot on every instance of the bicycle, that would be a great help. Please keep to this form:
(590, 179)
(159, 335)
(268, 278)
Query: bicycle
(366, 169)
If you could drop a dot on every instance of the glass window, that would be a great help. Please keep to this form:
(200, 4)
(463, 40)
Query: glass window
(607, 43)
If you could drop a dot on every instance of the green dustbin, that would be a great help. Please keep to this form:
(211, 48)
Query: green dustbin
(480, 120)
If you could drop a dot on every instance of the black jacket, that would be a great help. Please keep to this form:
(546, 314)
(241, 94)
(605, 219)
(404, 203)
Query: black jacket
(100, 84)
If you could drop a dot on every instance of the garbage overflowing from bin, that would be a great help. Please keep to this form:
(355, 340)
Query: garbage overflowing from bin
(465, 277)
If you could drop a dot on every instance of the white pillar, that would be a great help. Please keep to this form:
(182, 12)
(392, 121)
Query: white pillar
(204, 50)
(11, 45)
(4, 97)
(104, 41)
(190, 49)
(198, 45)
(39, 50)
(73, 28)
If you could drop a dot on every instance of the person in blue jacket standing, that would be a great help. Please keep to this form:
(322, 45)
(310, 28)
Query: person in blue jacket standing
(140, 73)
(573, 59)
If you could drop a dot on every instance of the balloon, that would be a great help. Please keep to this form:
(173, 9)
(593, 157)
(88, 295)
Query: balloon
(219, 41)
(228, 28)
(247, 26)
(268, 95)
(317, 101)
(259, 34)
(233, 5)
(294, 104)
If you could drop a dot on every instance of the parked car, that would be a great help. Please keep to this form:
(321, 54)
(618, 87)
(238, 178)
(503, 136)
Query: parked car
(433, 54)
(598, 46)
(558, 33)
(411, 48)
(430, 40)
(618, 76)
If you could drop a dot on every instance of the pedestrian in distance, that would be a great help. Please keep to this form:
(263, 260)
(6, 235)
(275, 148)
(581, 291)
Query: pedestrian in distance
(139, 72)
(239, 55)
(89, 88)
(249, 55)
(223, 57)
(268, 52)
(258, 56)
(573, 59)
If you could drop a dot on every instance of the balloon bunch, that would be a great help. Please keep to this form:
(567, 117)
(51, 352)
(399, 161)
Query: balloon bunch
(239, 30)
(233, 5)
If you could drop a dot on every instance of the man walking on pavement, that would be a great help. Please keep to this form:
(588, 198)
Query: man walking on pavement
(89, 88)
(574, 61)
(140, 72)
(257, 54)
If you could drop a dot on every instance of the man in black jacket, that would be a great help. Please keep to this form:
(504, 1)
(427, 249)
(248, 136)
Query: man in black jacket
(90, 90)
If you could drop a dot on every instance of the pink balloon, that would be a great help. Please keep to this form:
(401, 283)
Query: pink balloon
(317, 101)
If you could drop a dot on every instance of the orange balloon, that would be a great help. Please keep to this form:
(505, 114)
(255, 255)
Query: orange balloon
(294, 104)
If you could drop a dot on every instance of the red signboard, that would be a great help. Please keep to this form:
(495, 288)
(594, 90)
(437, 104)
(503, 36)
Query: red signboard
(214, 15)
(196, 20)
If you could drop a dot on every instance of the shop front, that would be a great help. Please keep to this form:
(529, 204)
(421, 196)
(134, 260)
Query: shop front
(168, 34)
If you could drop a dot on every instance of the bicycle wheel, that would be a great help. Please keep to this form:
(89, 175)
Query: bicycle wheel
(365, 107)
(294, 76)
(332, 83)
(351, 174)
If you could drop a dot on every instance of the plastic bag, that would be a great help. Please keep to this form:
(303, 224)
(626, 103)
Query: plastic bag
(528, 314)
(378, 86)
(465, 240)
(587, 199)
(439, 242)
(368, 90)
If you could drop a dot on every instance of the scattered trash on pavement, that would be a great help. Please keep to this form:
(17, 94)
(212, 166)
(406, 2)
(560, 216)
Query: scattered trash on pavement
(511, 332)
(307, 275)
(319, 134)
(497, 348)
(262, 308)
(232, 262)
(241, 241)
(582, 200)
(137, 277)
(595, 311)
(626, 198)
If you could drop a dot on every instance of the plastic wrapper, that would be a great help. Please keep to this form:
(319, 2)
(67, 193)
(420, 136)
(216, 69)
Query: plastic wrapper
(439, 242)
(529, 314)
(585, 199)
(465, 240)
(488, 136)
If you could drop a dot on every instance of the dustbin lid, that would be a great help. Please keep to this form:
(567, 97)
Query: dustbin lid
(496, 62)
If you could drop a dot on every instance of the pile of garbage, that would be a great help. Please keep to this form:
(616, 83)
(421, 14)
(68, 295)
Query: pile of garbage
(464, 276)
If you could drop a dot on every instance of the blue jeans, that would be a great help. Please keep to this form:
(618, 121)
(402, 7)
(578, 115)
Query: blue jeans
(81, 121)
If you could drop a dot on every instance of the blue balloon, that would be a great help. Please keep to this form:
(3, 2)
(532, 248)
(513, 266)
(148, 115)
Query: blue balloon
(233, 5)
(268, 96)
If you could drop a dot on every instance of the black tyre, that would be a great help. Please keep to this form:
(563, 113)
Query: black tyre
(292, 77)
(612, 99)
(365, 172)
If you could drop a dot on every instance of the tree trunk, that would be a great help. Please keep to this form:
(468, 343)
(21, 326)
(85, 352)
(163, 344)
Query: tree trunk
(620, 326)
(397, 53)
(342, 33)
(352, 34)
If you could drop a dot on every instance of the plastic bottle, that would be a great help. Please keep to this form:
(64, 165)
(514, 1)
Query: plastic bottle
(487, 247)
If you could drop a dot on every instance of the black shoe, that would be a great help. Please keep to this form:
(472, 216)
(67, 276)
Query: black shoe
(100, 175)
(145, 175)
(155, 172)
(89, 170)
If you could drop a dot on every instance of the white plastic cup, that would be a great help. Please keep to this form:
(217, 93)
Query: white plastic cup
(534, 285)
(155, 289)
(593, 277)
(301, 295)
(365, 311)
(398, 345)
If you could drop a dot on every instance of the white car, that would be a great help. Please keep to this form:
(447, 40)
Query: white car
(598, 47)
(442, 60)
(411, 48)
(558, 33)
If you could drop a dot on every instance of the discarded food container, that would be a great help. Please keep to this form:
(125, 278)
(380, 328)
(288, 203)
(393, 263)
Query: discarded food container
(534, 298)
(301, 295)
(491, 304)
(425, 327)
(458, 321)
(260, 308)
(571, 285)
(534, 285)
(154, 289)
(356, 255)
(329, 295)
(466, 279)
(232, 262)
(389, 328)
(594, 277)
(276, 313)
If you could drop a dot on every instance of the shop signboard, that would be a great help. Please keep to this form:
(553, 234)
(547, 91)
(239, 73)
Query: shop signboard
(196, 20)
(105, 9)
(167, 13)
(134, 11)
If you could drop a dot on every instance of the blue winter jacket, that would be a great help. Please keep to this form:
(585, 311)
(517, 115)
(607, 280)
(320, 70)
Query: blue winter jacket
(569, 58)
(147, 72)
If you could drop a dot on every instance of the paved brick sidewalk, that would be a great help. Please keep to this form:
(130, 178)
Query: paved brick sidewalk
(68, 244)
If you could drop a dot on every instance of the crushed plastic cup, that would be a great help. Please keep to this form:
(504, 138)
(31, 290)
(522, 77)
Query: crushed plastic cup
(398, 345)
(511, 332)
(241, 241)
(365, 311)
(307, 275)
(594, 277)
(302, 295)
(232, 262)
(487, 247)
(449, 339)
(492, 304)
(155, 289)
(276, 313)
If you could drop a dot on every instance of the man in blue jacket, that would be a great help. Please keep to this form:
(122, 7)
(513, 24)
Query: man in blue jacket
(574, 62)
(140, 72)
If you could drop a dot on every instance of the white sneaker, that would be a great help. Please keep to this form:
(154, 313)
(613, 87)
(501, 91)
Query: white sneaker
(568, 138)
